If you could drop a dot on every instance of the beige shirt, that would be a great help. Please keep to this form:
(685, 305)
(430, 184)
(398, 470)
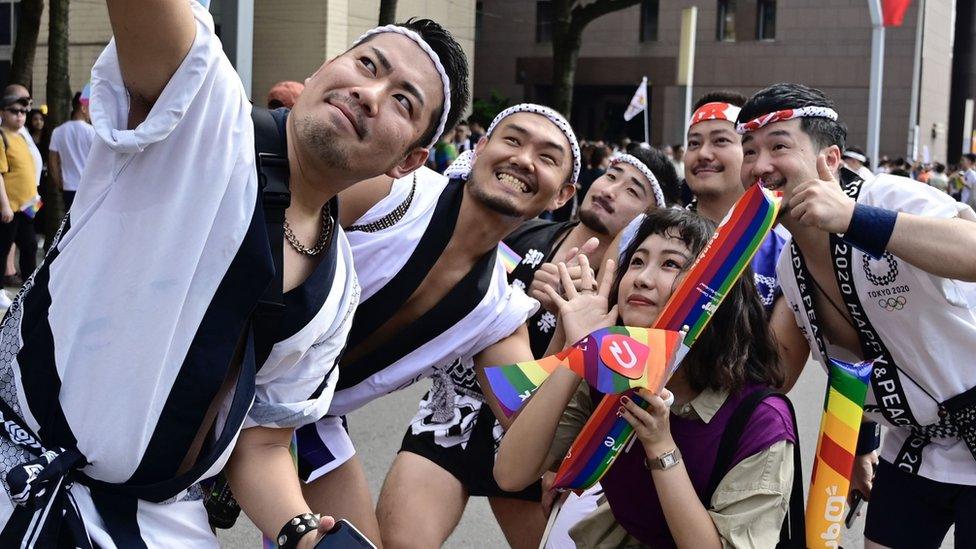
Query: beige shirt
(748, 507)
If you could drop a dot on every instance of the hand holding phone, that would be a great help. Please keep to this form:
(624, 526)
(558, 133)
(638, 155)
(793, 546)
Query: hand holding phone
(344, 536)
(857, 499)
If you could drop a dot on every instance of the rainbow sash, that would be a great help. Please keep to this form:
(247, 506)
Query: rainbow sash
(509, 258)
(843, 407)
(614, 360)
(691, 306)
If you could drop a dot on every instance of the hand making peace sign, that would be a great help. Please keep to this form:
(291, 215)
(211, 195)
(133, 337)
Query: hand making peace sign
(583, 311)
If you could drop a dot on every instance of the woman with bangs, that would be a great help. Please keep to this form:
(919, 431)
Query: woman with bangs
(669, 491)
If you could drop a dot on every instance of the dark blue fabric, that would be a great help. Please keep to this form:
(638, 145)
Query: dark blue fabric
(764, 269)
(871, 229)
(119, 513)
(313, 452)
(908, 510)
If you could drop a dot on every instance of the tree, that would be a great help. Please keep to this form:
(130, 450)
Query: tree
(388, 12)
(483, 111)
(58, 97)
(569, 19)
(28, 25)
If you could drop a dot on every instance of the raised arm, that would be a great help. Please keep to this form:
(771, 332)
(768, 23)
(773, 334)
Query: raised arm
(937, 245)
(152, 37)
(922, 241)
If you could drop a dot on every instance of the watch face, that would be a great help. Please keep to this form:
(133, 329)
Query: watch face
(668, 460)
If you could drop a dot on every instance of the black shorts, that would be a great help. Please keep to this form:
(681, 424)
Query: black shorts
(907, 510)
(455, 429)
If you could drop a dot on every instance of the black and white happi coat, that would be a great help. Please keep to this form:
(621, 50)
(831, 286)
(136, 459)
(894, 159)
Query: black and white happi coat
(536, 242)
(118, 344)
(391, 263)
(926, 323)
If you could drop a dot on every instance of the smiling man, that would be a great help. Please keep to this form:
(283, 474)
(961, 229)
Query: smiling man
(632, 184)
(132, 358)
(870, 274)
(436, 302)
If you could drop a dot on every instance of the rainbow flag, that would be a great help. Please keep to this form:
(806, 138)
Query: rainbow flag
(690, 308)
(32, 206)
(847, 385)
(614, 360)
(509, 258)
(86, 94)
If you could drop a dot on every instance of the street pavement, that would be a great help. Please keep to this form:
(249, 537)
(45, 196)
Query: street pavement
(378, 428)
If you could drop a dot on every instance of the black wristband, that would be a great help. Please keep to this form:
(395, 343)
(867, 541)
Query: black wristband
(295, 529)
(868, 439)
(870, 229)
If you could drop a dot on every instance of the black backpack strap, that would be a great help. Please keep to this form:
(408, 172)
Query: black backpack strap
(730, 438)
(793, 533)
(272, 167)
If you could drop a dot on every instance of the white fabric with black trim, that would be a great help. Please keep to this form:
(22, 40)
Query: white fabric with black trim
(379, 258)
(461, 167)
(112, 345)
(927, 323)
(645, 171)
(445, 79)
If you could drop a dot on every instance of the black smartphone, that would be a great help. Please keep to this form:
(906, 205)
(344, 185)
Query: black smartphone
(856, 500)
(344, 536)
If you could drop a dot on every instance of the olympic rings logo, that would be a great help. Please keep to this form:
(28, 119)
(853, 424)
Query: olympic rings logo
(892, 303)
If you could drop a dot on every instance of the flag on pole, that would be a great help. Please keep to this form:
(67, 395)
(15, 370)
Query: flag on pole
(639, 101)
(893, 12)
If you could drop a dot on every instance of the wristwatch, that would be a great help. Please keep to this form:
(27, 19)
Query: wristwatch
(664, 461)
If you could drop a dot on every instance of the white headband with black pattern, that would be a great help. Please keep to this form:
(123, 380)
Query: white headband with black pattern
(461, 167)
(445, 79)
(645, 171)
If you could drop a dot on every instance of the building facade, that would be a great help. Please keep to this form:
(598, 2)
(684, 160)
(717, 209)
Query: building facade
(291, 38)
(742, 45)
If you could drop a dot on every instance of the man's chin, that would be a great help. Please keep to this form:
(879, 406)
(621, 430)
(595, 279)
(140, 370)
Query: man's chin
(499, 204)
(593, 221)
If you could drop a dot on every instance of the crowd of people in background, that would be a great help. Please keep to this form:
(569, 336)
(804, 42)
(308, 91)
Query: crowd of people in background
(957, 180)
(38, 165)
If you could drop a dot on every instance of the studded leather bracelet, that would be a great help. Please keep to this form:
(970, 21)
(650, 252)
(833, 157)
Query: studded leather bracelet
(295, 529)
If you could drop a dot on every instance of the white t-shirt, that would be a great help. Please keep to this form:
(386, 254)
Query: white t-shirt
(34, 152)
(928, 324)
(969, 186)
(72, 141)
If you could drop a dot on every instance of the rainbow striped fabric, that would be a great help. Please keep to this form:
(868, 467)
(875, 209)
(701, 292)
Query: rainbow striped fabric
(843, 407)
(509, 258)
(32, 206)
(721, 263)
(614, 360)
(691, 306)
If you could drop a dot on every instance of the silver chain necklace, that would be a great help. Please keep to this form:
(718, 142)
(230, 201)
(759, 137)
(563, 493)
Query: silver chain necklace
(327, 224)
